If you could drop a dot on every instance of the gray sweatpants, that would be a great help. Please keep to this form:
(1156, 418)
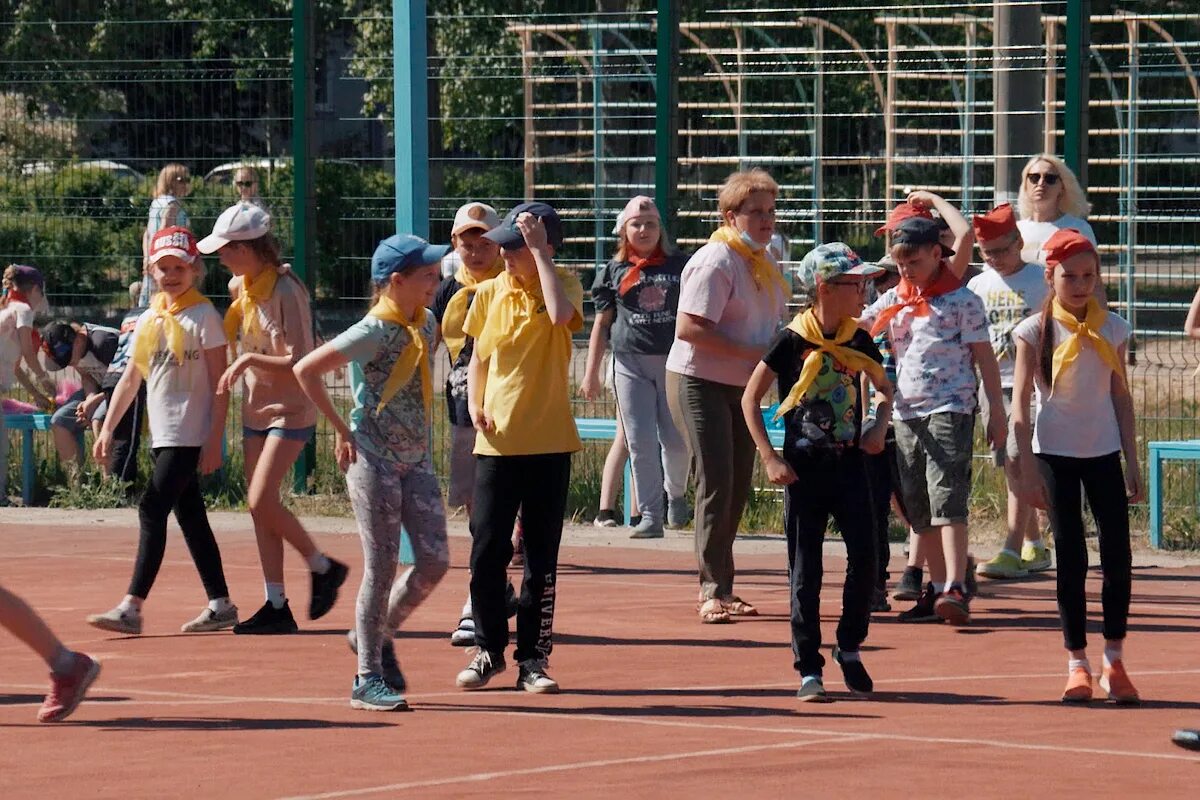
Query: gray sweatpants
(386, 496)
(656, 448)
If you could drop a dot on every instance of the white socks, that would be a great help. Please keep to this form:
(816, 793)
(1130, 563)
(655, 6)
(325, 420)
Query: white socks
(1112, 653)
(1078, 663)
(131, 605)
(275, 595)
(220, 604)
(318, 562)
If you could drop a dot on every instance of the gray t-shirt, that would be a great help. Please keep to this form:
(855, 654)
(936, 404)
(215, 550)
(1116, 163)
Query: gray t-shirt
(645, 315)
(398, 433)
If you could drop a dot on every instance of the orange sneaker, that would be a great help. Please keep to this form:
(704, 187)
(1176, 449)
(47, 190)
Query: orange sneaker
(1079, 686)
(1115, 681)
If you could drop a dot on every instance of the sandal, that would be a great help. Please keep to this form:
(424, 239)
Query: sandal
(738, 607)
(713, 612)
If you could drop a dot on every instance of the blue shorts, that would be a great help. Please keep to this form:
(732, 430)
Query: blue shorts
(291, 434)
(64, 415)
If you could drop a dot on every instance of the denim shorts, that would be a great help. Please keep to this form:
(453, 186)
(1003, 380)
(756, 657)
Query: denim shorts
(934, 454)
(291, 434)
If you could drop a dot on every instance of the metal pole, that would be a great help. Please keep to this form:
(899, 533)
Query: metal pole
(818, 137)
(889, 121)
(1050, 122)
(1075, 114)
(411, 103)
(303, 194)
(530, 137)
(968, 119)
(666, 111)
(1023, 96)
(598, 146)
(1131, 211)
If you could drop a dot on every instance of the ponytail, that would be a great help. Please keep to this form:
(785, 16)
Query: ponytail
(1045, 352)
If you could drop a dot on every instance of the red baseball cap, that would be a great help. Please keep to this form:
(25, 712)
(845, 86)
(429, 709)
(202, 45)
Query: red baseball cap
(174, 241)
(1000, 221)
(1065, 243)
(905, 210)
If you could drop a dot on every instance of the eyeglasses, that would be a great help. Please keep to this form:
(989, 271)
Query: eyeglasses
(1050, 178)
(992, 252)
(244, 184)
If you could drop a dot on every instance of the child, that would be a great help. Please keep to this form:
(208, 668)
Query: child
(636, 296)
(1011, 290)
(821, 359)
(71, 673)
(385, 454)
(179, 351)
(1073, 354)
(24, 292)
(270, 314)
(522, 322)
(89, 350)
(939, 333)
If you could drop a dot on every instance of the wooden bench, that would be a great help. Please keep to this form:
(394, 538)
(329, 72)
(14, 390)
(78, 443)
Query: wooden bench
(1157, 453)
(27, 424)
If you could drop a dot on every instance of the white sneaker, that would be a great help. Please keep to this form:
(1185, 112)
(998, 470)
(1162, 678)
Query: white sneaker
(483, 667)
(532, 677)
(210, 620)
(464, 635)
(117, 620)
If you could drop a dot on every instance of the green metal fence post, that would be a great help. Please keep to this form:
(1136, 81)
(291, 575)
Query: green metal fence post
(1075, 97)
(303, 196)
(666, 110)
(410, 51)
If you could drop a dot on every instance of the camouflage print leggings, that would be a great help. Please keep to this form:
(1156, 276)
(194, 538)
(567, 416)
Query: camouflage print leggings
(385, 497)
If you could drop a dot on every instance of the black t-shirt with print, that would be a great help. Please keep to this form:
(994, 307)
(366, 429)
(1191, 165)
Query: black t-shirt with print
(830, 414)
(645, 315)
(456, 379)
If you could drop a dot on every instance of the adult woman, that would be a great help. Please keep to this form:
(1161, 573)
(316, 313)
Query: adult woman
(731, 300)
(174, 184)
(245, 180)
(1050, 199)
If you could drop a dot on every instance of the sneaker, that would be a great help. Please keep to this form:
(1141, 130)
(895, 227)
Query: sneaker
(483, 667)
(118, 620)
(1079, 686)
(372, 693)
(1187, 738)
(879, 600)
(1002, 566)
(510, 603)
(464, 634)
(647, 528)
(606, 519)
(679, 512)
(269, 619)
(952, 606)
(1115, 681)
(391, 667)
(325, 588)
(635, 520)
(970, 584)
(923, 611)
(909, 587)
(67, 691)
(532, 677)
(812, 690)
(857, 679)
(1035, 557)
(210, 620)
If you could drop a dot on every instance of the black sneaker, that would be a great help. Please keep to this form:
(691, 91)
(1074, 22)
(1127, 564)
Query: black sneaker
(812, 691)
(325, 588)
(483, 667)
(854, 674)
(532, 677)
(923, 611)
(879, 600)
(390, 666)
(909, 587)
(269, 619)
(606, 519)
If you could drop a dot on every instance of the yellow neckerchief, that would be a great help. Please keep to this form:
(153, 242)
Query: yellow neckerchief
(806, 326)
(414, 354)
(513, 307)
(162, 321)
(762, 268)
(1086, 331)
(243, 312)
(456, 310)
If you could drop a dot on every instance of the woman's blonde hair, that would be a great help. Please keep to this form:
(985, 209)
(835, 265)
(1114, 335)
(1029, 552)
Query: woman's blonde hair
(740, 185)
(167, 176)
(1073, 201)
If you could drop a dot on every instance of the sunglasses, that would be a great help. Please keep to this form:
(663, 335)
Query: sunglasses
(244, 184)
(1050, 178)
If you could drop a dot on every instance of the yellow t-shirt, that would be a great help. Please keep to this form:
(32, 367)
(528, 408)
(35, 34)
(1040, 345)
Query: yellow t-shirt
(527, 393)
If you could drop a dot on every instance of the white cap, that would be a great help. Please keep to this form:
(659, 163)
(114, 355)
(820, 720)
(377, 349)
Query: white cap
(475, 215)
(238, 223)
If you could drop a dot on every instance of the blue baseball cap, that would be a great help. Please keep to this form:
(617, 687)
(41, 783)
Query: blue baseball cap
(508, 236)
(404, 251)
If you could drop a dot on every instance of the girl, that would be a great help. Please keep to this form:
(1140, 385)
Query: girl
(637, 295)
(24, 294)
(385, 454)
(1073, 353)
(271, 316)
(179, 351)
(174, 183)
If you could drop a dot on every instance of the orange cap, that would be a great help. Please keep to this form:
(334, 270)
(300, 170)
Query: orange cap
(1000, 221)
(1065, 243)
(900, 213)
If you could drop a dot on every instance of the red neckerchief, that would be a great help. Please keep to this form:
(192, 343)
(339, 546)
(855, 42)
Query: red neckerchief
(917, 299)
(636, 265)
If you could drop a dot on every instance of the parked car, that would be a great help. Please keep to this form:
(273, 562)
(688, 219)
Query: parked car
(99, 165)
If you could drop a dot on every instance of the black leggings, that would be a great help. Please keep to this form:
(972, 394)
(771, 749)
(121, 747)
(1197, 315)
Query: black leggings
(175, 485)
(1104, 483)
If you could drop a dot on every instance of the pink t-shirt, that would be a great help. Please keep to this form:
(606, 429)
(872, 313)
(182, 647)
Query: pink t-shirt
(717, 285)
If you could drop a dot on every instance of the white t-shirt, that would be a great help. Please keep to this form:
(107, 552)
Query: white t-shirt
(1035, 235)
(1008, 299)
(179, 397)
(1077, 418)
(13, 317)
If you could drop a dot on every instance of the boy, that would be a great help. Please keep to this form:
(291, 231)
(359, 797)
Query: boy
(821, 360)
(517, 385)
(939, 332)
(1011, 290)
